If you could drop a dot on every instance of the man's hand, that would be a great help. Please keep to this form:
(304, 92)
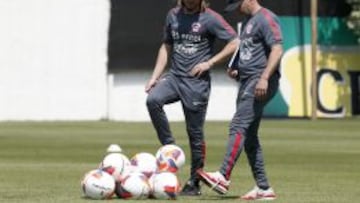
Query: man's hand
(150, 84)
(232, 73)
(200, 68)
(261, 89)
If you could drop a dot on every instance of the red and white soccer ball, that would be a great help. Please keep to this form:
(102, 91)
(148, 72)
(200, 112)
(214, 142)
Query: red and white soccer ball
(98, 184)
(144, 162)
(170, 158)
(116, 164)
(134, 186)
(165, 185)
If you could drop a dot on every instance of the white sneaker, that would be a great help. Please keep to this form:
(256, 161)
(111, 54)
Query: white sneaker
(259, 194)
(215, 180)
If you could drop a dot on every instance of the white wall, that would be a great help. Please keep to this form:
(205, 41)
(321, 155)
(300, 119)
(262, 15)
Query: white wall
(127, 98)
(53, 56)
(53, 59)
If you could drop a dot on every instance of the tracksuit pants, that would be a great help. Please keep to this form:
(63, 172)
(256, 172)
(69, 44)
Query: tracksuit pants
(193, 93)
(243, 130)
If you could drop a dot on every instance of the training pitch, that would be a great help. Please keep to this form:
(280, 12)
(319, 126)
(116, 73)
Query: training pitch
(306, 161)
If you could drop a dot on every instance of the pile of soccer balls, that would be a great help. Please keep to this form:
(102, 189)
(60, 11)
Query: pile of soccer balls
(143, 176)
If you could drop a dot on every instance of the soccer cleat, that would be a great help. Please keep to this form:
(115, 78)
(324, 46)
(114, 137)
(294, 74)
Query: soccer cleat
(259, 194)
(191, 189)
(215, 180)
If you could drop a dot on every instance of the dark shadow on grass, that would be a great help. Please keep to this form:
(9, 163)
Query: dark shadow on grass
(218, 197)
(89, 198)
(86, 198)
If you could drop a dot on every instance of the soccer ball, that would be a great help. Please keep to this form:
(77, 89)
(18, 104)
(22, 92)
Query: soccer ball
(134, 186)
(165, 185)
(170, 158)
(144, 163)
(116, 164)
(98, 184)
(114, 148)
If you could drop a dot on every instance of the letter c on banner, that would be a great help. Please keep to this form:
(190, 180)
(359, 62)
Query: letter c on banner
(339, 79)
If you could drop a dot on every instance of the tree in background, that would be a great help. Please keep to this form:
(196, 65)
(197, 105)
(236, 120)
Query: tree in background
(353, 21)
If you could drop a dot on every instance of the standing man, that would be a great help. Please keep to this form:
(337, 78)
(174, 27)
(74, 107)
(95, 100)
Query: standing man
(256, 66)
(190, 31)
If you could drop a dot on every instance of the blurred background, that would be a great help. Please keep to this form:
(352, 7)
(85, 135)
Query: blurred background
(90, 60)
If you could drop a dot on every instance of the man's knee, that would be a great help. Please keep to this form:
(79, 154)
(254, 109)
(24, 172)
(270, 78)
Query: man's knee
(251, 145)
(152, 102)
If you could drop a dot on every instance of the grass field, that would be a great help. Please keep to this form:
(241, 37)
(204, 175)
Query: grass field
(306, 161)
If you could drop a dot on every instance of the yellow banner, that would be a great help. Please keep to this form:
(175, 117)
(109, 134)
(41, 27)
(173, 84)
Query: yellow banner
(334, 68)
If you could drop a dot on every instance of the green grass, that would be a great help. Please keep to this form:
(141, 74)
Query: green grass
(306, 161)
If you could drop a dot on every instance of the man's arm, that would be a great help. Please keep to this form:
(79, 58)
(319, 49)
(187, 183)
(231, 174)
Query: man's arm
(160, 65)
(229, 49)
(272, 64)
(273, 61)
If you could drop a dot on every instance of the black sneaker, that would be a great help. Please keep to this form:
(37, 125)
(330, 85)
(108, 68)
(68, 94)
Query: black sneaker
(191, 189)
